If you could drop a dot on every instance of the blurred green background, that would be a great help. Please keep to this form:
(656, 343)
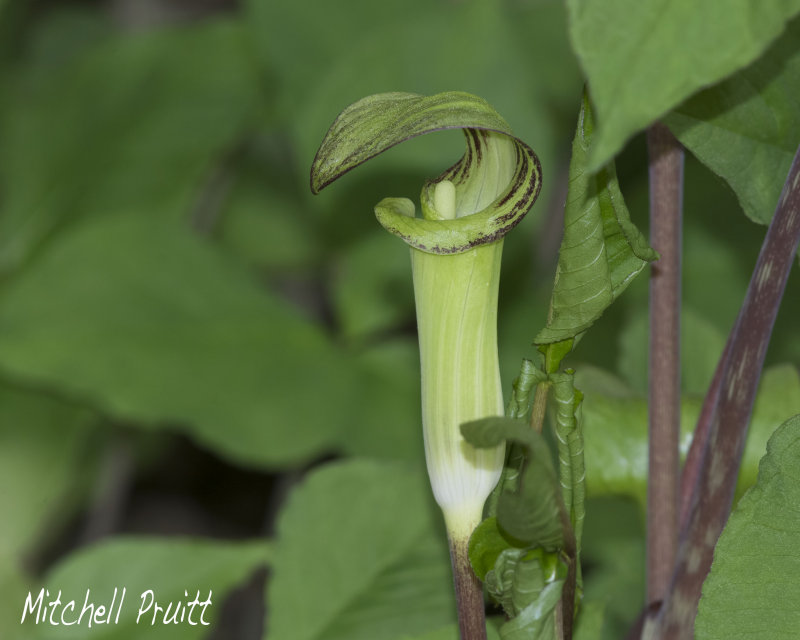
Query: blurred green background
(185, 331)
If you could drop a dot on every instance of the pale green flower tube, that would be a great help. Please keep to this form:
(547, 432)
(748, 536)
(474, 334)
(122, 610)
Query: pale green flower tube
(456, 299)
(456, 249)
(456, 302)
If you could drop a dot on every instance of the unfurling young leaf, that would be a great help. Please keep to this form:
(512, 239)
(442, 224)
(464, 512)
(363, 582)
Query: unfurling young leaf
(602, 250)
(534, 515)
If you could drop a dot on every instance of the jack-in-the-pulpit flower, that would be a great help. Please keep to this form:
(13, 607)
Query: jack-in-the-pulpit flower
(456, 248)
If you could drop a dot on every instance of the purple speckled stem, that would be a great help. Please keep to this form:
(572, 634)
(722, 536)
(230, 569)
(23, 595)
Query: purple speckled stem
(699, 446)
(666, 215)
(469, 593)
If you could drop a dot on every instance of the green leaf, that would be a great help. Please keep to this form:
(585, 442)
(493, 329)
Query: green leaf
(14, 587)
(717, 265)
(520, 576)
(371, 287)
(450, 632)
(265, 227)
(57, 36)
(135, 120)
(485, 546)
(496, 181)
(170, 568)
(752, 586)
(643, 58)
(615, 432)
(517, 578)
(778, 396)
(152, 325)
(747, 128)
(534, 513)
(383, 570)
(45, 462)
(537, 620)
(386, 422)
(602, 250)
(613, 556)
(590, 621)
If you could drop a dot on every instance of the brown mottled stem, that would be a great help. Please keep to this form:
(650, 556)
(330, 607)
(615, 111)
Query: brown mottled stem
(713, 494)
(469, 593)
(539, 406)
(666, 196)
(689, 477)
(697, 450)
(565, 612)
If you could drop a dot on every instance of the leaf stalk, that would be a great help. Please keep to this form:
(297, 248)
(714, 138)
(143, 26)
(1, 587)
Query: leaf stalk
(666, 195)
(540, 406)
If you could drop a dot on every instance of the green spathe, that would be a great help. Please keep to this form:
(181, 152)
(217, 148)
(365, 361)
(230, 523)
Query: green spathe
(456, 248)
(456, 302)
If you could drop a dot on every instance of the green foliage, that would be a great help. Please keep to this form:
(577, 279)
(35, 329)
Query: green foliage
(527, 582)
(450, 632)
(368, 287)
(485, 546)
(45, 461)
(569, 436)
(752, 585)
(523, 387)
(534, 514)
(164, 266)
(590, 620)
(388, 402)
(537, 619)
(169, 330)
(14, 587)
(642, 59)
(517, 553)
(601, 250)
(257, 220)
(358, 557)
(747, 128)
(520, 576)
(168, 567)
(613, 556)
(615, 430)
(46, 464)
(137, 147)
